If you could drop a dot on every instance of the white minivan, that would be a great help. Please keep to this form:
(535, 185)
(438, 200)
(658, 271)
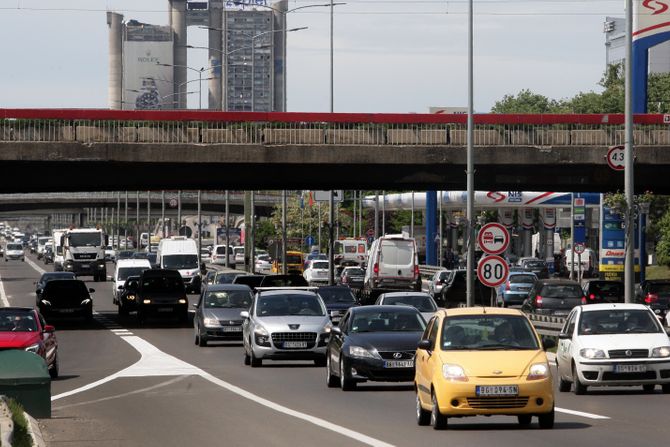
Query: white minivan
(181, 253)
(393, 265)
(126, 268)
(588, 265)
(219, 255)
(351, 250)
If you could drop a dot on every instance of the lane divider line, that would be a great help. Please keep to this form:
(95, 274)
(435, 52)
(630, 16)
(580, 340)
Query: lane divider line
(39, 269)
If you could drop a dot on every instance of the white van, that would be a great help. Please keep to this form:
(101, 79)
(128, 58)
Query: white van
(351, 250)
(181, 253)
(393, 265)
(219, 255)
(588, 265)
(126, 268)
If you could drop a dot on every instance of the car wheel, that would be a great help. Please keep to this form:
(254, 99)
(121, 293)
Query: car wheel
(254, 361)
(53, 371)
(422, 416)
(247, 358)
(202, 341)
(563, 385)
(524, 419)
(332, 381)
(346, 383)
(579, 388)
(437, 419)
(649, 388)
(546, 420)
(320, 362)
(666, 388)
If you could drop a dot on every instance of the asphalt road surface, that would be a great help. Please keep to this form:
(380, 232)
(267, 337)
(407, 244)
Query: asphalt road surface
(126, 385)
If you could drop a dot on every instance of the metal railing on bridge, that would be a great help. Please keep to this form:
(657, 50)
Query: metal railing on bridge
(256, 128)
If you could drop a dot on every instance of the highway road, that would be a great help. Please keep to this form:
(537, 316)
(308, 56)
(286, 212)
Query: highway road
(125, 385)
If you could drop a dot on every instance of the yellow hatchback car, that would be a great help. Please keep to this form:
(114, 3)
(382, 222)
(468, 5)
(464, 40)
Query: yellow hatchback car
(482, 361)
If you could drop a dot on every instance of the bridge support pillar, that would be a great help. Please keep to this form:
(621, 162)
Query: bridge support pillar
(431, 221)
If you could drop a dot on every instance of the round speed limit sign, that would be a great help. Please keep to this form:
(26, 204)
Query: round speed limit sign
(616, 158)
(492, 270)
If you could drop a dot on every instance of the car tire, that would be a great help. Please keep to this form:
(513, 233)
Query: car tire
(320, 362)
(346, 383)
(196, 338)
(53, 371)
(255, 362)
(524, 419)
(579, 387)
(546, 420)
(202, 341)
(649, 388)
(332, 381)
(666, 388)
(564, 385)
(422, 416)
(437, 419)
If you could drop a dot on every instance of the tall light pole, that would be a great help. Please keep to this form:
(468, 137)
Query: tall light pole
(197, 70)
(470, 169)
(629, 177)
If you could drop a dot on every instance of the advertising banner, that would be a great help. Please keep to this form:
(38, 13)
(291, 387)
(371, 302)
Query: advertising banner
(147, 85)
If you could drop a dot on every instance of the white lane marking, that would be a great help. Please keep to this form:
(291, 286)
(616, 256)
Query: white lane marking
(3, 296)
(130, 393)
(580, 413)
(39, 269)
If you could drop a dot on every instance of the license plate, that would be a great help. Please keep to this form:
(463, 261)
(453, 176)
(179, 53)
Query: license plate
(164, 309)
(66, 311)
(399, 364)
(85, 266)
(232, 329)
(497, 390)
(295, 344)
(630, 368)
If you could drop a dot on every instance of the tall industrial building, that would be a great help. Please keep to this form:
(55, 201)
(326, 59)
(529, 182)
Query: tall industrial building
(615, 47)
(247, 54)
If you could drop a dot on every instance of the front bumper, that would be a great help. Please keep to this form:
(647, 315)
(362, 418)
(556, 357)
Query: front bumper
(364, 369)
(603, 372)
(274, 352)
(227, 332)
(460, 398)
(85, 267)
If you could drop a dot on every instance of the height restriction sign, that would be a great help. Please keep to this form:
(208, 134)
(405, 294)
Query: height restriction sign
(493, 238)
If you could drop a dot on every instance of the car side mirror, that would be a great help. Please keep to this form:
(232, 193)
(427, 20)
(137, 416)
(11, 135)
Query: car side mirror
(426, 345)
(244, 314)
(121, 287)
(49, 329)
(564, 336)
(548, 343)
(91, 290)
(336, 331)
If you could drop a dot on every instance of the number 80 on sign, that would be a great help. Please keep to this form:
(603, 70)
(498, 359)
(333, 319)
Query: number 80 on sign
(492, 270)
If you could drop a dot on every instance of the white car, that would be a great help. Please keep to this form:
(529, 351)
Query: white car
(613, 345)
(239, 254)
(110, 253)
(316, 272)
(263, 264)
(422, 301)
(14, 251)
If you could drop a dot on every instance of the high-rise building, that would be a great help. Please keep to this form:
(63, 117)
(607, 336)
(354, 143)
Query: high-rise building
(615, 47)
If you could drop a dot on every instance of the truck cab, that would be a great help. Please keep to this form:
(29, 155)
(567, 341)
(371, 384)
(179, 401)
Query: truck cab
(84, 252)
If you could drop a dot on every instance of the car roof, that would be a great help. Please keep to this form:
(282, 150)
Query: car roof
(479, 311)
(224, 287)
(613, 306)
(133, 262)
(392, 294)
(557, 281)
(286, 291)
(382, 308)
(160, 272)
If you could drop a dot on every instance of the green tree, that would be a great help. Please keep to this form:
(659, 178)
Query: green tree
(525, 102)
(663, 244)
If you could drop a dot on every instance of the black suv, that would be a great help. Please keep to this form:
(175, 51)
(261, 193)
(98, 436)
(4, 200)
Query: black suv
(454, 294)
(601, 291)
(159, 292)
(553, 297)
(655, 294)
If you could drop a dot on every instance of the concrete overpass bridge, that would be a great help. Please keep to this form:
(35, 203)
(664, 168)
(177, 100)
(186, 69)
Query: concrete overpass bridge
(102, 150)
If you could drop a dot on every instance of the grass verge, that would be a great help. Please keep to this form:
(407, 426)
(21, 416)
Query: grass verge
(21, 436)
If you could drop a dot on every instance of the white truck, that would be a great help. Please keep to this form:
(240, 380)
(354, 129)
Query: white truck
(84, 252)
(393, 265)
(181, 253)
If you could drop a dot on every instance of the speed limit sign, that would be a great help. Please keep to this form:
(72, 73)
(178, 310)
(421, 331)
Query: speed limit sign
(616, 158)
(492, 270)
(580, 248)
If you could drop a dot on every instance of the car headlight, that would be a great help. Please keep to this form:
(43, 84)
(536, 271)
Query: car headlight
(260, 330)
(328, 327)
(592, 353)
(358, 351)
(130, 297)
(146, 302)
(662, 351)
(212, 322)
(454, 372)
(46, 303)
(33, 348)
(86, 302)
(538, 371)
(182, 300)
(262, 336)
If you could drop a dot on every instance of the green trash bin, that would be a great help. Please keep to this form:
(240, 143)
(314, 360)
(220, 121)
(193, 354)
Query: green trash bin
(25, 378)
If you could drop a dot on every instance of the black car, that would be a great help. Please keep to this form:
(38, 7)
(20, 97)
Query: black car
(337, 300)
(553, 297)
(48, 256)
(126, 299)
(252, 281)
(454, 293)
(66, 298)
(353, 277)
(601, 291)
(160, 292)
(50, 276)
(217, 313)
(538, 267)
(655, 294)
(375, 343)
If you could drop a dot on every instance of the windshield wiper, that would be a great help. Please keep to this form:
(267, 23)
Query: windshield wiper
(498, 346)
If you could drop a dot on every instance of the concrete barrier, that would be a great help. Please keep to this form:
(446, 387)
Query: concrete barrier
(639, 137)
(127, 134)
(354, 136)
(589, 137)
(225, 136)
(433, 136)
(660, 136)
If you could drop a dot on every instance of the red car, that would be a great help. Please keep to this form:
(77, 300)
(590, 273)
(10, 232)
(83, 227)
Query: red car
(24, 328)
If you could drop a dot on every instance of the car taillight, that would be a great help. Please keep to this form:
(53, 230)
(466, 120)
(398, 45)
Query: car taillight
(345, 279)
(416, 271)
(508, 287)
(651, 298)
(538, 301)
(592, 297)
(583, 300)
(375, 269)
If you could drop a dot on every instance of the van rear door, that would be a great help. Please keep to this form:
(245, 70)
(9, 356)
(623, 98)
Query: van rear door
(396, 258)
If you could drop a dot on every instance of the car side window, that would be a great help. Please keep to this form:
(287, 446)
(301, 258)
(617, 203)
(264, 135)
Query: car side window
(426, 332)
(432, 335)
(572, 320)
(344, 322)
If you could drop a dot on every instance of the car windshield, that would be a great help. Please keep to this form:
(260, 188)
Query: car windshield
(535, 264)
(140, 255)
(129, 271)
(387, 321)
(320, 265)
(84, 239)
(561, 291)
(422, 303)
(65, 288)
(46, 277)
(180, 262)
(221, 299)
(14, 247)
(337, 295)
(294, 259)
(124, 254)
(226, 278)
(487, 332)
(221, 250)
(43, 240)
(607, 289)
(289, 304)
(17, 321)
(162, 284)
(659, 288)
(618, 321)
(522, 279)
(354, 272)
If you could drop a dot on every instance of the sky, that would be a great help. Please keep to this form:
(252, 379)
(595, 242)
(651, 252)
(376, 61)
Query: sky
(389, 56)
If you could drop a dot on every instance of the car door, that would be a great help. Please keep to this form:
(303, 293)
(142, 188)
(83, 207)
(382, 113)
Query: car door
(564, 350)
(425, 359)
(49, 340)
